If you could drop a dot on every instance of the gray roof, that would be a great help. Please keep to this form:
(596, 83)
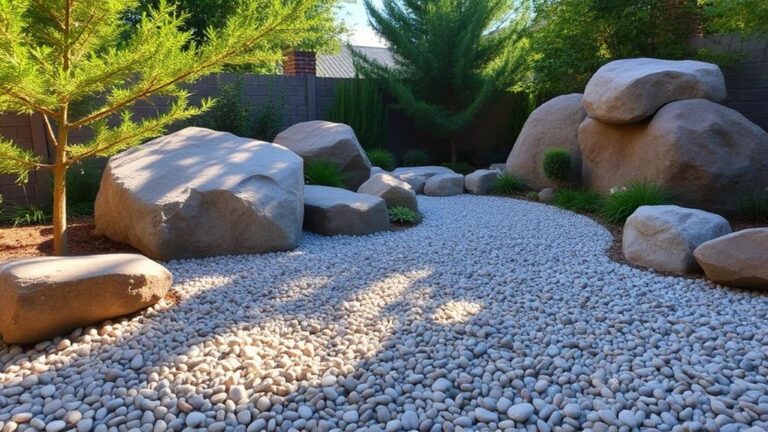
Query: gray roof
(341, 64)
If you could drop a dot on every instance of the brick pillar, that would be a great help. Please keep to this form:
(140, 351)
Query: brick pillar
(299, 63)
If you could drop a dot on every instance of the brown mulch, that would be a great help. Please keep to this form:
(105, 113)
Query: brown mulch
(37, 240)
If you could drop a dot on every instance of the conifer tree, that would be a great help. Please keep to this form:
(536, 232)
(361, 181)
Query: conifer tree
(60, 57)
(450, 55)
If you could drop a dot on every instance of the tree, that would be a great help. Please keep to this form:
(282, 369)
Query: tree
(573, 38)
(58, 57)
(450, 55)
(748, 17)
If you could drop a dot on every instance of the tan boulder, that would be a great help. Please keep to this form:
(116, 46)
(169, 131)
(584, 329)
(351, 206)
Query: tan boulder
(334, 142)
(632, 90)
(554, 124)
(395, 192)
(739, 259)
(334, 211)
(48, 296)
(708, 156)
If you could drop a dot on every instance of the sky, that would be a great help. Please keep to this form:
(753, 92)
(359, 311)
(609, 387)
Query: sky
(356, 19)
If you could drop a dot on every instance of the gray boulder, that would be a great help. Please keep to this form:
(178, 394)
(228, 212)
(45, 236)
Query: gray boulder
(554, 124)
(198, 193)
(546, 195)
(444, 185)
(481, 182)
(631, 90)
(334, 211)
(664, 237)
(417, 176)
(48, 296)
(739, 259)
(395, 192)
(334, 142)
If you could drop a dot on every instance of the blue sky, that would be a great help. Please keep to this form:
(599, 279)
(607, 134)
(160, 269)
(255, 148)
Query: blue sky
(354, 16)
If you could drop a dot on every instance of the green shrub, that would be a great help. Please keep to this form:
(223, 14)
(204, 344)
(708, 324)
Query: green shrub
(532, 195)
(508, 184)
(230, 113)
(382, 158)
(459, 167)
(403, 216)
(579, 200)
(323, 173)
(269, 117)
(621, 203)
(557, 164)
(359, 103)
(20, 215)
(83, 180)
(415, 157)
(753, 207)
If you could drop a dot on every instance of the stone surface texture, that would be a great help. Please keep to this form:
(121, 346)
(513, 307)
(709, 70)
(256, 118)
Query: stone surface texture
(395, 192)
(481, 182)
(664, 237)
(739, 259)
(632, 90)
(444, 185)
(555, 124)
(49, 296)
(334, 142)
(334, 211)
(198, 193)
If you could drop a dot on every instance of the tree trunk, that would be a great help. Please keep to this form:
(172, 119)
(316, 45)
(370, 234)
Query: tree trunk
(60, 193)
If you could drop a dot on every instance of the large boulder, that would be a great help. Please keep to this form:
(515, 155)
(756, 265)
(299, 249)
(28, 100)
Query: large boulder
(335, 211)
(334, 142)
(481, 182)
(198, 192)
(48, 296)
(395, 192)
(554, 124)
(739, 259)
(444, 185)
(631, 90)
(664, 237)
(418, 176)
(707, 155)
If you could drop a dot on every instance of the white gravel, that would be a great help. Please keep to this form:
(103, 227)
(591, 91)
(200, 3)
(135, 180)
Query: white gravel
(494, 314)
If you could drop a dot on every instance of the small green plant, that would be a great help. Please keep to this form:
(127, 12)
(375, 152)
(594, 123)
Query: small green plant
(621, 203)
(508, 184)
(382, 158)
(230, 113)
(532, 195)
(20, 215)
(753, 207)
(83, 180)
(403, 216)
(269, 117)
(459, 167)
(557, 164)
(579, 200)
(321, 172)
(415, 157)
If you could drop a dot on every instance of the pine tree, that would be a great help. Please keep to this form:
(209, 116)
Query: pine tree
(60, 57)
(450, 55)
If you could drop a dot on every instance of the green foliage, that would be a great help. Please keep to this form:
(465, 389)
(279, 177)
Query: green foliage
(21, 215)
(459, 167)
(269, 117)
(231, 113)
(415, 157)
(508, 184)
(747, 17)
(557, 164)
(359, 103)
(523, 105)
(83, 180)
(403, 216)
(753, 207)
(532, 195)
(573, 38)
(202, 15)
(451, 56)
(620, 204)
(382, 158)
(578, 200)
(321, 172)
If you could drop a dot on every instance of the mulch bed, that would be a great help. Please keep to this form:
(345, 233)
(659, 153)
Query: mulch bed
(29, 241)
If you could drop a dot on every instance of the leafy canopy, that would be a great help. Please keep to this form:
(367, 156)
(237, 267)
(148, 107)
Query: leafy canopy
(450, 55)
